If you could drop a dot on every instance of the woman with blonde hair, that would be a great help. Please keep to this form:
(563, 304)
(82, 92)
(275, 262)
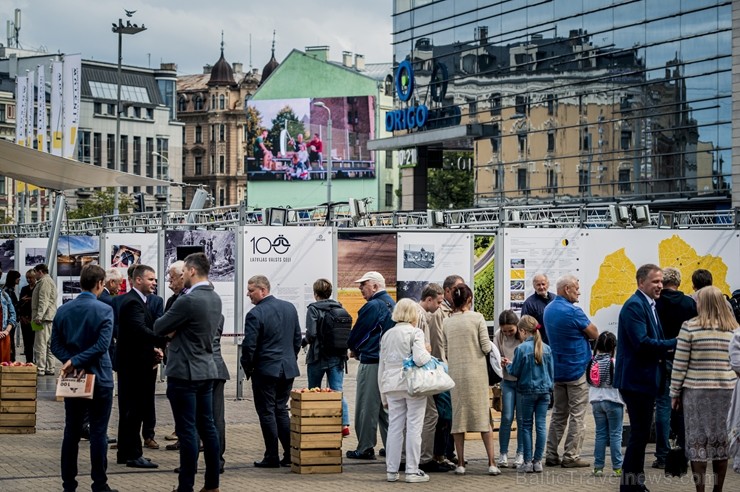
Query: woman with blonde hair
(702, 383)
(402, 341)
(466, 345)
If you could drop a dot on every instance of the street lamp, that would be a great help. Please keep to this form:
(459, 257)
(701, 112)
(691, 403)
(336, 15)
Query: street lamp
(328, 160)
(120, 29)
(162, 175)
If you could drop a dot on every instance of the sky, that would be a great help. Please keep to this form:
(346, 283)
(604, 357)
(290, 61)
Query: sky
(188, 32)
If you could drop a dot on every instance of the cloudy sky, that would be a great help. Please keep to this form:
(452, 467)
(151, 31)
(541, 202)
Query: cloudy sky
(188, 32)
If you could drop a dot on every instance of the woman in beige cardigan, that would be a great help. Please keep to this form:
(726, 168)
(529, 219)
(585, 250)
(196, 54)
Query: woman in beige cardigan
(466, 345)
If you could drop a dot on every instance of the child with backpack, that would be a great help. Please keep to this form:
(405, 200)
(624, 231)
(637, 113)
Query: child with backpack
(533, 367)
(606, 403)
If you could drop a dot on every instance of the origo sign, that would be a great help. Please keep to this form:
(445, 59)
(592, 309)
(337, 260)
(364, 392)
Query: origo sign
(413, 116)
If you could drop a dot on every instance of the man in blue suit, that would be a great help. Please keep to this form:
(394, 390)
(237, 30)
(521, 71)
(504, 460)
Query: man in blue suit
(640, 369)
(272, 339)
(80, 338)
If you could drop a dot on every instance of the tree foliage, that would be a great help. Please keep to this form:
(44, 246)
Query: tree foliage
(295, 126)
(101, 203)
(254, 126)
(451, 187)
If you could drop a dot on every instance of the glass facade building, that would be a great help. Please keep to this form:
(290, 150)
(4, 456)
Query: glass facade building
(575, 100)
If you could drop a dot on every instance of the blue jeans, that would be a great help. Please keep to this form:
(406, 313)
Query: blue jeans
(334, 370)
(608, 417)
(532, 409)
(192, 407)
(98, 410)
(508, 405)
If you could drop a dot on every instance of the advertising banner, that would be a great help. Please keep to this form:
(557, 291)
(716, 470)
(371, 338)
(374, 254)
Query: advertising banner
(41, 110)
(425, 257)
(21, 101)
(71, 103)
(292, 259)
(56, 107)
(30, 135)
(484, 274)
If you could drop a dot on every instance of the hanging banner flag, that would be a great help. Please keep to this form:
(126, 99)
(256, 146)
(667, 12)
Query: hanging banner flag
(56, 107)
(31, 100)
(71, 99)
(21, 99)
(41, 109)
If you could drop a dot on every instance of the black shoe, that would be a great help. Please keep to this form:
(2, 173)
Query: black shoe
(177, 470)
(367, 455)
(85, 434)
(112, 440)
(433, 467)
(660, 464)
(402, 466)
(221, 470)
(381, 452)
(141, 462)
(267, 464)
(283, 462)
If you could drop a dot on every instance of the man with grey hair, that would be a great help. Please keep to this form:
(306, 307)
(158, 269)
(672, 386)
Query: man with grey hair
(112, 286)
(176, 282)
(569, 331)
(535, 304)
(373, 320)
(673, 308)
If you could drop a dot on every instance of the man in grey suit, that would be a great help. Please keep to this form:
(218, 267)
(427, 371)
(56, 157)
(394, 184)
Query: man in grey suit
(192, 323)
(272, 339)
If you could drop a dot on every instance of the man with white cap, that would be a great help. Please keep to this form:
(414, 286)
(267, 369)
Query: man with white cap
(373, 320)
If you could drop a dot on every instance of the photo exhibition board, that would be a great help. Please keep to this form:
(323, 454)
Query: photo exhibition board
(124, 250)
(424, 257)
(30, 251)
(606, 260)
(220, 249)
(292, 259)
(74, 252)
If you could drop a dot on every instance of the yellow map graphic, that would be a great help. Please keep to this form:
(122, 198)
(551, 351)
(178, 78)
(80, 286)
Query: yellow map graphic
(615, 283)
(616, 280)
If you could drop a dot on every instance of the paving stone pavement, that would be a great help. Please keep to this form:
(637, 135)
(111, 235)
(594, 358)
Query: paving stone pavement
(31, 462)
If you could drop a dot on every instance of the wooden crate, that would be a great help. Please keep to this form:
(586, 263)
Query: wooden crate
(305, 457)
(18, 406)
(316, 396)
(315, 425)
(17, 393)
(17, 419)
(17, 430)
(316, 441)
(304, 470)
(17, 383)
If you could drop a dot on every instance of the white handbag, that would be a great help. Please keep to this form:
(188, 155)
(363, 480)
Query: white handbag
(429, 379)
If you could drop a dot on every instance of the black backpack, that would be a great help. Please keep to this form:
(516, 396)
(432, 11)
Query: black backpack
(735, 303)
(333, 330)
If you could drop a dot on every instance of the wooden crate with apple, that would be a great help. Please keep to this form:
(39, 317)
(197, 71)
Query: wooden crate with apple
(18, 399)
(316, 431)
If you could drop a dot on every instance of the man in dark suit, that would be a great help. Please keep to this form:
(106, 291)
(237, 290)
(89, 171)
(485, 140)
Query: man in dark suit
(112, 286)
(640, 370)
(138, 352)
(192, 322)
(80, 337)
(272, 339)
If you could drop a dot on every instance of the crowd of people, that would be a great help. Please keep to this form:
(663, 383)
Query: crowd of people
(674, 360)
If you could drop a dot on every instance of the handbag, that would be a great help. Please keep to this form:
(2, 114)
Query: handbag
(495, 373)
(429, 379)
(76, 386)
(676, 462)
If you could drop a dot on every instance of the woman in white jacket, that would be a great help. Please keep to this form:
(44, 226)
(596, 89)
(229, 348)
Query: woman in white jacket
(398, 343)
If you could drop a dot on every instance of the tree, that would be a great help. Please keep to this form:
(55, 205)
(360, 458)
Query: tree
(101, 203)
(451, 187)
(295, 126)
(254, 127)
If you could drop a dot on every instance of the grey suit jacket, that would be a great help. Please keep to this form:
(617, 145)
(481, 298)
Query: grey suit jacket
(195, 320)
(272, 339)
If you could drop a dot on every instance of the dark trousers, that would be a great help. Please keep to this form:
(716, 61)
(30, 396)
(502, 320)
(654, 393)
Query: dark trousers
(192, 407)
(271, 402)
(28, 338)
(135, 395)
(99, 411)
(150, 414)
(640, 409)
(219, 416)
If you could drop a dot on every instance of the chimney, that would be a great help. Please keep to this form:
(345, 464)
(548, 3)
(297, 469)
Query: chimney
(321, 53)
(360, 62)
(207, 69)
(238, 67)
(172, 67)
(347, 58)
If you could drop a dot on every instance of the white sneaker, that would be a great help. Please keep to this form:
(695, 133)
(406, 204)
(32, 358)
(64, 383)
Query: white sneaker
(460, 470)
(503, 460)
(519, 459)
(392, 477)
(525, 468)
(537, 466)
(493, 470)
(417, 477)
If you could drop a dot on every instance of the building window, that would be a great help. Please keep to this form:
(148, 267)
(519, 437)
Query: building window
(389, 195)
(83, 150)
(473, 109)
(585, 140)
(213, 101)
(2, 185)
(522, 140)
(182, 104)
(521, 179)
(221, 132)
(124, 153)
(626, 140)
(583, 183)
(222, 164)
(496, 140)
(221, 102)
(149, 159)
(212, 164)
(495, 104)
(551, 141)
(97, 108)
(213, 133)
(184, 136)
(110, 153)
(137, 112)
(521, 105)
(97, 149)
(150, 113)
(389, 159)
(137, 156)
(552, 181)
(111, 109)
(498, 178)
(198, 134)
(551, 101)
(198, 166)
(198, 103)
(221, 196)
(624, 181)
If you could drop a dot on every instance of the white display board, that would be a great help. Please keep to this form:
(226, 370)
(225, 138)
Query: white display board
(123, 250)
(292, 258)
(606, 260)
(425, 257)
(74, 252)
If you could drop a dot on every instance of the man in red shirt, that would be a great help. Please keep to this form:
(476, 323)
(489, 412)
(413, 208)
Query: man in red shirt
(316, 151)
